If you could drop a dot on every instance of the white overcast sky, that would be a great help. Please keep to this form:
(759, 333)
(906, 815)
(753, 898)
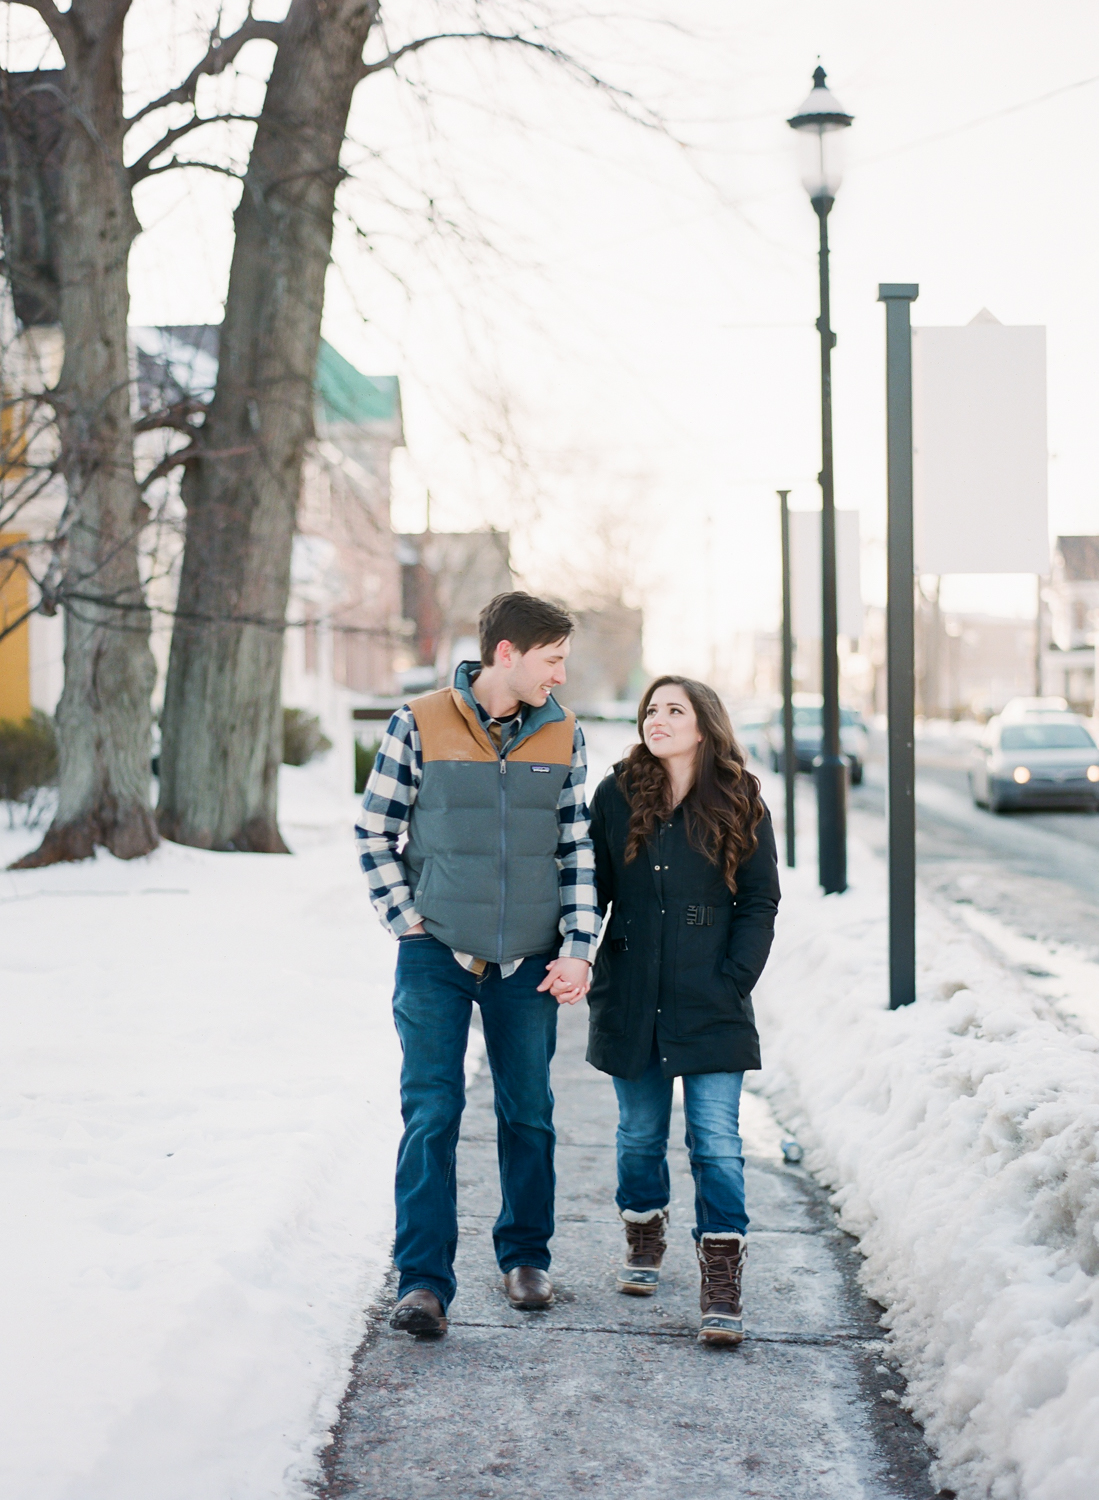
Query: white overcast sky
(638, 341)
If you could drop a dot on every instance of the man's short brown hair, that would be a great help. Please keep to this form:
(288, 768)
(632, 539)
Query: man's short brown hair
(524, 621)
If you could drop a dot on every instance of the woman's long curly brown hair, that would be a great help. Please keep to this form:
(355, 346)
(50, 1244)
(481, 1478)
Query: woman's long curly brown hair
(723, 808)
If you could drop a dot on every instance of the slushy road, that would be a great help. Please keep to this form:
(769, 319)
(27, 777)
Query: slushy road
(612, 1396)
(1035, 872)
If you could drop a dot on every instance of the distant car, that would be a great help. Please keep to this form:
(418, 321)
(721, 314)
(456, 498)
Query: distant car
(1036, 760)
(854, 736)
(750, 723)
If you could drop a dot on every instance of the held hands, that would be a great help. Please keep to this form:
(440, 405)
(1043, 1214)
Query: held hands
(567, 979)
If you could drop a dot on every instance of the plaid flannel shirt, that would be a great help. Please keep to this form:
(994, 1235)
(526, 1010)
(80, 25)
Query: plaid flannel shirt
(387, 808)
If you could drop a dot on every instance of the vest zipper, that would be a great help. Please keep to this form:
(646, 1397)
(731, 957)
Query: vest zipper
(503, 860)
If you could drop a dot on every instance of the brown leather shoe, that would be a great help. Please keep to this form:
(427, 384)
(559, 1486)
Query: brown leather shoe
(528, 1288)
(420, 1313)
(721, 1259)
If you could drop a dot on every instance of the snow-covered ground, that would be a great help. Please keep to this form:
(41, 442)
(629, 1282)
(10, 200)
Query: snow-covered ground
(960, 1135)
(199, 1118)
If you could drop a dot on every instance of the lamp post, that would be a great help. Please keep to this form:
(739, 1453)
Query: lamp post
(900, 672)
(820, 123)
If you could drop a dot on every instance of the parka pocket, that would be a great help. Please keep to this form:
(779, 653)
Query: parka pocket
(706, 998)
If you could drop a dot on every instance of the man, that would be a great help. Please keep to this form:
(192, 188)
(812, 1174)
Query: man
(492, 900)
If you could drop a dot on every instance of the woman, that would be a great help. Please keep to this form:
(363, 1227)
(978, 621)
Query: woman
(685, 860)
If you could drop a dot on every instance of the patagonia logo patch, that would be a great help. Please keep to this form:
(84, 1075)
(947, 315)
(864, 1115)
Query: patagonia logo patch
(544, 769)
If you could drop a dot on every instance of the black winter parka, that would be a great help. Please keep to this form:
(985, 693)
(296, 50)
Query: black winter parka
(681, 954)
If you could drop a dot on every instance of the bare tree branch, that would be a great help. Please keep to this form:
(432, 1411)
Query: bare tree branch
(175, 416)
(143, 166)
(515, 39)
(59, 22)
(207, 166)
(13, 625)
(220, 53)
(187, 455)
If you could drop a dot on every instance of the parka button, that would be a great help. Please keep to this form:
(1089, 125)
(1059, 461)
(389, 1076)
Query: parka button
(656, 867)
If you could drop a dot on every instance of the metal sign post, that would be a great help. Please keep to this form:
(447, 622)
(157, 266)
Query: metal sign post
(789, 764)
(900, 644)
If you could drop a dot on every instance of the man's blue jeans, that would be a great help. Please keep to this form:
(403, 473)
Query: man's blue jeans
(711, 1105)
(432, 1006)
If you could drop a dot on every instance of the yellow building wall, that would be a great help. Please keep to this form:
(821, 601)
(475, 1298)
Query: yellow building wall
(15, 659)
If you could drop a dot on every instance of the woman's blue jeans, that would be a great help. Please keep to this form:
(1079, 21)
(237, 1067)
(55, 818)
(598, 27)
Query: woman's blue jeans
(432, 1006)
(711, 1105)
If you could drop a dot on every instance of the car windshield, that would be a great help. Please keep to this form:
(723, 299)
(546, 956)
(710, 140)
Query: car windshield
(1045, 737)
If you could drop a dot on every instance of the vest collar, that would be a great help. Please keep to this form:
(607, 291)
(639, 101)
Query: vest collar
(533, 719)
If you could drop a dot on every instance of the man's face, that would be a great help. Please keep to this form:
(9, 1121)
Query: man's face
(532, 675)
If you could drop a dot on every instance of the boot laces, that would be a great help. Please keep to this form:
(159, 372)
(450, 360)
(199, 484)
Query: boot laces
(647, 1238)
(722, 1271)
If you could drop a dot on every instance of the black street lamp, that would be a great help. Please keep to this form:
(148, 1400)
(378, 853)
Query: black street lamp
(820, 123)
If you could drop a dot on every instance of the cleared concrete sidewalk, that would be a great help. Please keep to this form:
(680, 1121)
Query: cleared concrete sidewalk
(610, 1395)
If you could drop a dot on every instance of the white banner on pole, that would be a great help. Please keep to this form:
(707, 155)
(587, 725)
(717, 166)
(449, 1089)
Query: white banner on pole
(805, 573)
(979, 455)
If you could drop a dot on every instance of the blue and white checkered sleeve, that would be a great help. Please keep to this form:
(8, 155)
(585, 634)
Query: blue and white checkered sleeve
(576, 860)
(387, 806)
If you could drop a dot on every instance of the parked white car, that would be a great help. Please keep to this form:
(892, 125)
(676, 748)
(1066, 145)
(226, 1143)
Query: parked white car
(1036, 760)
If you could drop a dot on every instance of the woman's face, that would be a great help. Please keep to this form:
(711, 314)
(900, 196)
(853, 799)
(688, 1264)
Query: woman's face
(671, 724)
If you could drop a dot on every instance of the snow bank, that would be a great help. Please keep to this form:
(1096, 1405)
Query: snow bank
(960, 1136)
(199, 1117)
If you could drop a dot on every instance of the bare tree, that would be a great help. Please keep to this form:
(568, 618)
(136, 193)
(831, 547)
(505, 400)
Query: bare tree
(222, 723)
(104, 716)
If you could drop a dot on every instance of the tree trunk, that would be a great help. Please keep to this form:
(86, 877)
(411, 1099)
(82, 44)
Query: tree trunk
(222, 723)
(104, 716)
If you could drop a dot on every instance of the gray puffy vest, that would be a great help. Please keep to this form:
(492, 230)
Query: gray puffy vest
(482, 838)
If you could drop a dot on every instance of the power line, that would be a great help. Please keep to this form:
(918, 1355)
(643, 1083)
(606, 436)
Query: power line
(1011, 109)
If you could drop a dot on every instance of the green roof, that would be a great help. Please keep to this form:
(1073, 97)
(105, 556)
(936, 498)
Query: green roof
(346, 395)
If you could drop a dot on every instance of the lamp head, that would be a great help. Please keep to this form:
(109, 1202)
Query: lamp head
(820, 123)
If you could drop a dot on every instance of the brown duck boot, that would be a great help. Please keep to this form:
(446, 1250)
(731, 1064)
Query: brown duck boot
(639, 1273)
(721, 1259)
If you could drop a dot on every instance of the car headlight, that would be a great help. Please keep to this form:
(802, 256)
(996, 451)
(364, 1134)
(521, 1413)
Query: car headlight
(1093, 773)
(1020, 775)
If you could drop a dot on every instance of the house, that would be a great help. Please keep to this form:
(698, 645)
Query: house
(605, 667)
(447, 578)
(32, 499)
(345, 624)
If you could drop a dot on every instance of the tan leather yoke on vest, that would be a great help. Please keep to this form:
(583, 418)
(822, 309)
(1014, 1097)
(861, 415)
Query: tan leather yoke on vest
(450, 730)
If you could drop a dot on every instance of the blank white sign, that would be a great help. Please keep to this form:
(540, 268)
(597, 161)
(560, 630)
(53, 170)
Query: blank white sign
(805, 573)
(979, 449)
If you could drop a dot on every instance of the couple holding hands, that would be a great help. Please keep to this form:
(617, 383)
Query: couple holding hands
(484, 862)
